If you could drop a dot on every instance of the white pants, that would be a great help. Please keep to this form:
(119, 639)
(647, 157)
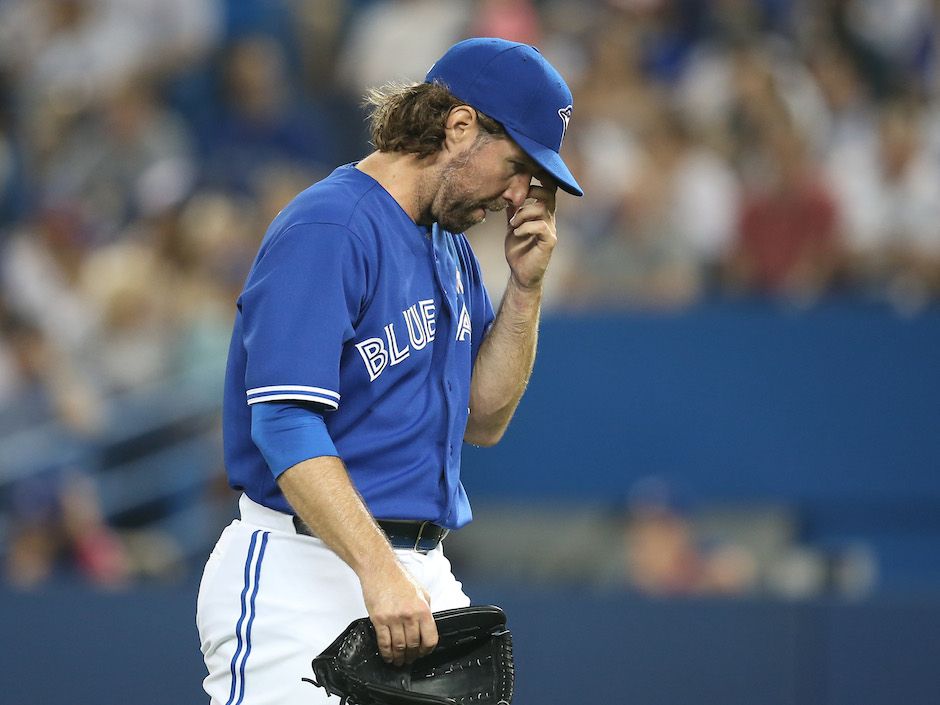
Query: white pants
(270, 600)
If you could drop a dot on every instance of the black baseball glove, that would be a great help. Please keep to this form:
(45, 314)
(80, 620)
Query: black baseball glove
(472, 663)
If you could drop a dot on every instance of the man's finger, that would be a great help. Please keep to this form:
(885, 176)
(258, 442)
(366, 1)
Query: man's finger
(536, 210)
(429, 634)
(542, 195)
(545, 191)
(384, 639)
(412, 640)
(546, 180)
(399, 644)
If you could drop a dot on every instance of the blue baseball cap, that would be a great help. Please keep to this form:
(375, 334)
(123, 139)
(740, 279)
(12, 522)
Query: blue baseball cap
(513, 84)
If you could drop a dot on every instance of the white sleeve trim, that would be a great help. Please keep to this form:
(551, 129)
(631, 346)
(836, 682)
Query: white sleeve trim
(332, 403)
(293, 388)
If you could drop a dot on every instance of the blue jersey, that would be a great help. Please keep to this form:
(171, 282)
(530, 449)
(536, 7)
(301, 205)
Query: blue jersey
(353, 307)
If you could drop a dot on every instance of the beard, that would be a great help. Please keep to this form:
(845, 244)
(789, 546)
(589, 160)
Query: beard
(451, 206)
(456, 215)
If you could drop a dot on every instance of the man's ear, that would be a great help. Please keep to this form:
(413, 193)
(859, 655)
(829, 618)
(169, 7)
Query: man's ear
(460, 127)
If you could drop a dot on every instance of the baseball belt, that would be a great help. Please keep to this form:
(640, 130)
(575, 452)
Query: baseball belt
(420, 536)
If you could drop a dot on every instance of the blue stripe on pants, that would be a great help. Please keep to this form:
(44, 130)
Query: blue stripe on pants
(251, 618)
(235, 670)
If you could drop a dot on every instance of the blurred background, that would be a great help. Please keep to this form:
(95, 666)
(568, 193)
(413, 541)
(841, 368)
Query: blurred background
(723, 485)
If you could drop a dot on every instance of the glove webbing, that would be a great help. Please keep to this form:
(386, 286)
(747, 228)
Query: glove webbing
(506, 673)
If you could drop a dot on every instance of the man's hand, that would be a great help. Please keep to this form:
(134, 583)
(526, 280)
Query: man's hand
(320, 491)
(531, 236)
(400, 610)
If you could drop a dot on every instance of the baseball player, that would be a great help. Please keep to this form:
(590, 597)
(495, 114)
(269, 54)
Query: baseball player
(365, 351)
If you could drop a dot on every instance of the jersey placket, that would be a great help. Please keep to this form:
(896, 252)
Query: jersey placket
(445, 271)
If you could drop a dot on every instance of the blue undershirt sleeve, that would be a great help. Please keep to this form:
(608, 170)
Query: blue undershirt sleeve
(288, 433)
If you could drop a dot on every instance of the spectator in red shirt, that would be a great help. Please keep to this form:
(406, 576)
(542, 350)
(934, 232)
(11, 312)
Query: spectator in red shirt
(788, 240)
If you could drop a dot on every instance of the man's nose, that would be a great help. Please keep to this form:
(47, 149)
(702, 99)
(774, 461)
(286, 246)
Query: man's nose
(518, 190)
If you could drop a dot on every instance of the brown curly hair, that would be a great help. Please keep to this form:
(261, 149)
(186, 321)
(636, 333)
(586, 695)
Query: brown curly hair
(410, 117)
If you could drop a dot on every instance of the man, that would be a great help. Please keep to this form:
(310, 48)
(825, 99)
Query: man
(365, 349)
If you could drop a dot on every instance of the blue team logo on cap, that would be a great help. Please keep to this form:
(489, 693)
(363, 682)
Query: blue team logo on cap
(565, 115)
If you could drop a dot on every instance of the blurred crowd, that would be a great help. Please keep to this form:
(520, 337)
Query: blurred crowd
(781, 148)
(776, 148)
